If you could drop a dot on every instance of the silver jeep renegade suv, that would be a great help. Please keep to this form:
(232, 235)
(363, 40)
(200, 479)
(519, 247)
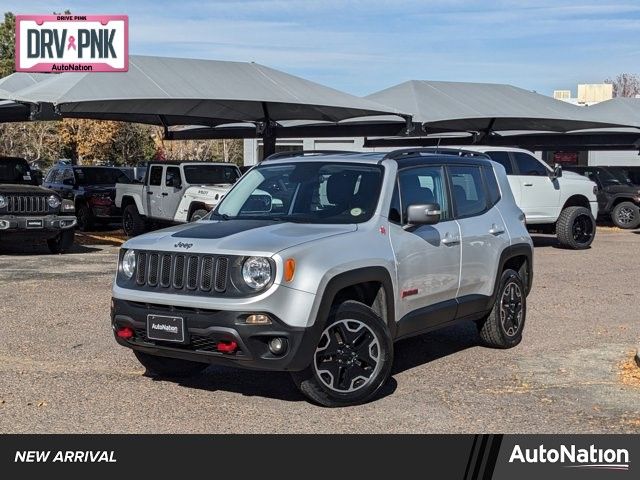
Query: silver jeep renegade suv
(316, 263)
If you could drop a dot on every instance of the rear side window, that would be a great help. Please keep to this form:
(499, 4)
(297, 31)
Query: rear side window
(503, 159)
(469, 195)
(173, 177)
(155, 177)
(493, 190)
(529, 165)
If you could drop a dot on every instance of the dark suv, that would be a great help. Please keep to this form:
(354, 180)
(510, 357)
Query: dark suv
(30, 212)
(618, 196)
(92, 190)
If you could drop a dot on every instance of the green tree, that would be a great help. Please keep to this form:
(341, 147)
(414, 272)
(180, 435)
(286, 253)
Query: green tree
(7, 44)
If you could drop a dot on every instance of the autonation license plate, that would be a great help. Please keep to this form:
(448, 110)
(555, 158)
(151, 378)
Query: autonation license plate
(34, 223)
(167, 329)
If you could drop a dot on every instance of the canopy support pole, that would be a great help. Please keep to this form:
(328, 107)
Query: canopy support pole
(268, 134)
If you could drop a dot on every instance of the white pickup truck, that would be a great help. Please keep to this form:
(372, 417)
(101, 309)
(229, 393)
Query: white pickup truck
(173, 192)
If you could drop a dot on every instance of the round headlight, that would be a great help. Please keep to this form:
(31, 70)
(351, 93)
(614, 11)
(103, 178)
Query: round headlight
(129, 263)
(3, 201)
(256, 272)
(53, 201)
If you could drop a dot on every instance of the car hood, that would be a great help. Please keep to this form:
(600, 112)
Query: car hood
(236, 237)
(574, 176)
(8, 188)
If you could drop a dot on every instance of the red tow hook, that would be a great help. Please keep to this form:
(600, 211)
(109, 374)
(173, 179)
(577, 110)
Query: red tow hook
(125, 333)
(227, 346)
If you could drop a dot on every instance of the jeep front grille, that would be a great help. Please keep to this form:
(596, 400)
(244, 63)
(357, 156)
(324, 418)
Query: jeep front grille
(27, 204)
(182, 271)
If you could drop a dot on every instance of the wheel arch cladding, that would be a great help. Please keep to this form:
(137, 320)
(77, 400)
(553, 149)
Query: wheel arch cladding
(371, 286)
(577, 200)
(518, 257)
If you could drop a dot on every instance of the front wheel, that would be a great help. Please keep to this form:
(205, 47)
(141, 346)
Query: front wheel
(85, 218)
(626, 215)
(132, 222)
(63, 242)
(169, 367)
(198, 214)
(352, 361)
(576, 228)
(502, 328)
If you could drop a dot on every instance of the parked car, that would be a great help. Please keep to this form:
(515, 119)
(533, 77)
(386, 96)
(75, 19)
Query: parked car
(618, 197)
(631, 173)
(173, 192)
(564, 204)
(316, 265)
(91, 189)
(31, 212)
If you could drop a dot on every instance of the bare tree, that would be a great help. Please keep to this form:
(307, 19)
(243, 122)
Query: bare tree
(625, 85)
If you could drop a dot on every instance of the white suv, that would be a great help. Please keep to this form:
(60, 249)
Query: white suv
(553, 201)
(316, 264)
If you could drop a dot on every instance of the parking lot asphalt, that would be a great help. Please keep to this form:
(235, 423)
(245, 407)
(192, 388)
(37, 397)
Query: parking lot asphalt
(61, 370)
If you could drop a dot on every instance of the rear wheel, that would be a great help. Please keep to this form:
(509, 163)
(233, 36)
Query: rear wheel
(502, 328)
(576, 228)
(352, 361)
(132, 222)
(198, 214)
(63, 242)
(626, 215)
(168, 367)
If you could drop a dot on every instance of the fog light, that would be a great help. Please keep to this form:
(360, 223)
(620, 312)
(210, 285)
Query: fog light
(125, 332)
(4, 224)
(258, 320)
(277, 345)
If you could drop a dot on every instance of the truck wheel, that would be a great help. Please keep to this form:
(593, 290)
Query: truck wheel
(352, 361)
(198, 214)
(626, 215)
(62, 242)
(132, 223)
(85, 217)
(169, 367)
(575, 228)
(502, 328)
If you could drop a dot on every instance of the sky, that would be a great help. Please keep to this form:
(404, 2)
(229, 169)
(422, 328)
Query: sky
(361, 46)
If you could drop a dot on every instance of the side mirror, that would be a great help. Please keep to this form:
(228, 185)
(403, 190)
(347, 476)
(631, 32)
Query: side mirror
(557, 171)
(423, 214)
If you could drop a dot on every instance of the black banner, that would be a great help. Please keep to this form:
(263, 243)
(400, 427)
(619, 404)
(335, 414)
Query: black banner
(465, 457)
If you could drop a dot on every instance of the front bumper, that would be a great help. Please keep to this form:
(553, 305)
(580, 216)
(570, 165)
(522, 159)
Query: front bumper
(34, 224)
(205, 328)
(594, 209)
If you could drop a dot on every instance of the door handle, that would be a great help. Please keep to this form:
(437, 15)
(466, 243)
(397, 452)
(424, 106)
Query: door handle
(149, 193)
(164, 194)
(495, 230)
(450, 240)
(528, 184)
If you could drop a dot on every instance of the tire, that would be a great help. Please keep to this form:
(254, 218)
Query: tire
(360, 343)
(198, 214)
(132, 222)
(63, 242)
(85, 217)
(502, 328)
(626, 215)
(576, 228)
(169, 367)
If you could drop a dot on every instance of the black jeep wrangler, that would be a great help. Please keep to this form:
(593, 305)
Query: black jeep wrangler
(29, 212)
(618, 196)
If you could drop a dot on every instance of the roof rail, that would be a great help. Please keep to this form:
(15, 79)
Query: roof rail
(460, 152)
(306, 153)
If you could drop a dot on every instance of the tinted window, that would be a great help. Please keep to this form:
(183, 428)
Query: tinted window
(15, 170)
(493, 190)
(394, 209)
(529, 165)
(423, 185)
(503, 159)
(67, 174)
(469, 196)
(155, 178)
(210, 174)
(100, 176)
(173, 174)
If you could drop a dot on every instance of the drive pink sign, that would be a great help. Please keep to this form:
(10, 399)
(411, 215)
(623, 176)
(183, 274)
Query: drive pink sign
(72, 43)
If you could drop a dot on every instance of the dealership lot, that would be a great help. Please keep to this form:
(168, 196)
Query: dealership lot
(61, 370)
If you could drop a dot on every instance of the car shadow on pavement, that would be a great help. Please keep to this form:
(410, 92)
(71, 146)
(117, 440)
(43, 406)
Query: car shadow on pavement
(37, 249)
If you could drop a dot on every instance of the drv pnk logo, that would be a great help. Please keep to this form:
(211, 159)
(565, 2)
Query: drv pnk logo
(81, 43)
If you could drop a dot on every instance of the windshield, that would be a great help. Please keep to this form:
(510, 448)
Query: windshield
(100, 176)
(15, 170)
(210, 174)
(308, 192)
